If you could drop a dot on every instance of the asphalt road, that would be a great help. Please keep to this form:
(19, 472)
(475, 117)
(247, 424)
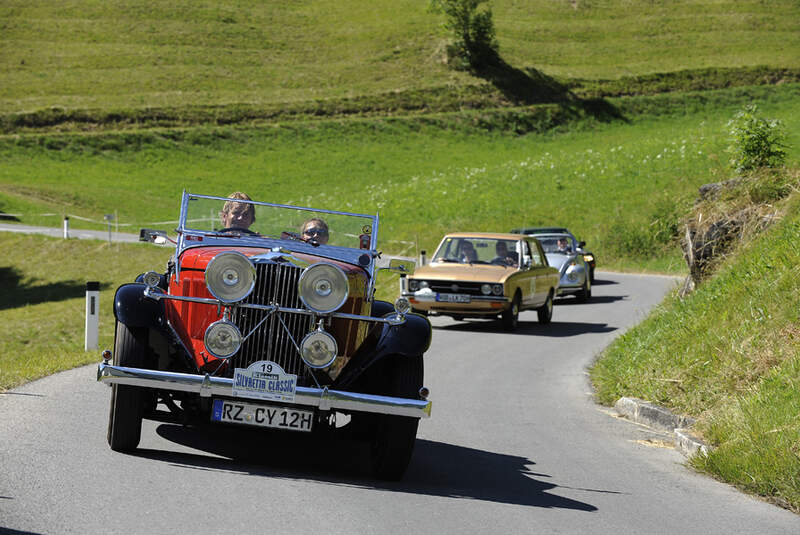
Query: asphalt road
(515, 445)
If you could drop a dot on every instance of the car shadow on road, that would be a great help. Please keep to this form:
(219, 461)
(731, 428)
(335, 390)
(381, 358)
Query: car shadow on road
(556, 329)
(594, 300)
(436, 469)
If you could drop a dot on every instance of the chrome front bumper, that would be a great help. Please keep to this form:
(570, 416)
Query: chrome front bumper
(208, 386)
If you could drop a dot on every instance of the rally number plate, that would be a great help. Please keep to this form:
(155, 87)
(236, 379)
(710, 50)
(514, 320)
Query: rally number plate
(237, 412)
(453, 298)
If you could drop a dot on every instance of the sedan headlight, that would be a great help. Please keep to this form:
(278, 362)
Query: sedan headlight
(230, 276)
(222, 339)
(323, 288)
(497, 289)
(486, 289)
(413, 285)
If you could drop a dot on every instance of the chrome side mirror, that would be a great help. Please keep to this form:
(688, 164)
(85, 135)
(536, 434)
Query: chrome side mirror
(154, 236)
(402, 266)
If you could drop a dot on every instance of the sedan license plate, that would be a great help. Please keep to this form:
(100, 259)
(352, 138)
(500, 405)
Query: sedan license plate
(237, 412)
(453, 298)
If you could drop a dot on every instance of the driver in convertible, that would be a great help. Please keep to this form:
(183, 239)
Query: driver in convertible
(238, 215)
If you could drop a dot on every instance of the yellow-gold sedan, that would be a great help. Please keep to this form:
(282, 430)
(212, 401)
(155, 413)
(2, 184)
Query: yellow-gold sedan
(484, 275)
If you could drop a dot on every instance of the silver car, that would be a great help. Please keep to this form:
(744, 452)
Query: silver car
(564, 253)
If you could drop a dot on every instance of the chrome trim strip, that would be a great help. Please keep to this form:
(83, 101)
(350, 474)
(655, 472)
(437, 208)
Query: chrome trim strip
(206, 386)
(481, 298)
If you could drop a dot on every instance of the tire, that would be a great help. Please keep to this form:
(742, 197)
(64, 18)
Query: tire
(510, 317)
(586, 291)
(395, 436)
(125, 413)
(591, 274)
(545, 312)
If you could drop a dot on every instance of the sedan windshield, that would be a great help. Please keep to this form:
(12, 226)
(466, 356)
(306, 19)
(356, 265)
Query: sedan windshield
(478, 250)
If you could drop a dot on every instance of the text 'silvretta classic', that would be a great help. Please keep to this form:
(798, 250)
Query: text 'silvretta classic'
(265, 317)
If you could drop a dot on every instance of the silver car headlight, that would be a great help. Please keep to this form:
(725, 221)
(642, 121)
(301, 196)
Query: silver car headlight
(486, 289)
(230, 276)
(413, 285)
(323, 288)
(222, 339)
(318, 349)
(497, 289)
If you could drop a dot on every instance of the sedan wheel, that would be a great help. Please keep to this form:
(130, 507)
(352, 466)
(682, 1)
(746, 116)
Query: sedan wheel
(511, 316)
(545, 312)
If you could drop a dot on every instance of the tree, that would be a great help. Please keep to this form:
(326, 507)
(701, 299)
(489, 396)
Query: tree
(474, 42)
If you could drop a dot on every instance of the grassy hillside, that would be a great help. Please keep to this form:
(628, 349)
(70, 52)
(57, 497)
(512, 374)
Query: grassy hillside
(729, 354)
(116, 54)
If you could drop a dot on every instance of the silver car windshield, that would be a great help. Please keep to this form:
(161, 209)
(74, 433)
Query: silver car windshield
(253, 220)
(563, 244)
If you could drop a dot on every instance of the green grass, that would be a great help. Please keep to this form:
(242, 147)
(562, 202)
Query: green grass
(117, 55)
(728, 354)
(425, 178)
(42, 304)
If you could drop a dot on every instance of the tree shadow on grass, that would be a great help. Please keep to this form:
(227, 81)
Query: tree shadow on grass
(529, 86)
(17, 291)
(437, 468)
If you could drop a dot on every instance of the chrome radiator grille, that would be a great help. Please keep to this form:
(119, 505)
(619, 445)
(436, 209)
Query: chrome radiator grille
(275, 284)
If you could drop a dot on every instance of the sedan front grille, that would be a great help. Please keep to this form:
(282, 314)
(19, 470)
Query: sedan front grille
(276, 337)
(456, 287)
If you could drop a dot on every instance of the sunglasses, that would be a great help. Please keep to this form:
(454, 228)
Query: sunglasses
(315, 231)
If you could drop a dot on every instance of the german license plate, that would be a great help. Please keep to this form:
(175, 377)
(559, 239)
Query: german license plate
(236, 412)
(453, 298)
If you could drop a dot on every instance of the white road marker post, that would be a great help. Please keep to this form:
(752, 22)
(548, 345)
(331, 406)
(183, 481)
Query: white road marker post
(92, 315)
(66, 227)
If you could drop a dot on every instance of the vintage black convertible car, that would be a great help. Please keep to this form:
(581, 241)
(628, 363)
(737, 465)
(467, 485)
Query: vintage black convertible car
(265, 317)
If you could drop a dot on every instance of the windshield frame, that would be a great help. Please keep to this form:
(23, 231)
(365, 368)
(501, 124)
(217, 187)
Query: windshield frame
(187, 236)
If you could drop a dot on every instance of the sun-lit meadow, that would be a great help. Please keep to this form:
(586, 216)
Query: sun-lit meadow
(118, 54)
(422, 179)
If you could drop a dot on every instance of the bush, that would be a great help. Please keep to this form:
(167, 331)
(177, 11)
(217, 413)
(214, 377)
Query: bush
(475, 44)
(755, 141)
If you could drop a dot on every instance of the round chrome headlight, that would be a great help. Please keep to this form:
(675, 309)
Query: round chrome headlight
(222, 339)
(413, 285)
(497, 289)
(230, 276)
(318, 349)
(486, 289)
(323, 288)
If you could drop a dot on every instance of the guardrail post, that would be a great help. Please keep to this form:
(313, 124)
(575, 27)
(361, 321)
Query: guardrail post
(422, 258)
(66, 227)
(92, 316)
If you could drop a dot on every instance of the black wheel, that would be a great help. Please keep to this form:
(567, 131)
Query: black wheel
(394, 438)
(591, 274)
(545, 312)
(510, 317)
(125, 413)
(586, 291)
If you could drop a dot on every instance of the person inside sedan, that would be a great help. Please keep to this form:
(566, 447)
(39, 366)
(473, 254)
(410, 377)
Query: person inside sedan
(468, 253)
(238, 215)
(563, 248)
(504, 256)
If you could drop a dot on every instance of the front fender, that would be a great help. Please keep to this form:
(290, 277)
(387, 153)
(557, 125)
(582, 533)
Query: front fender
(133, 309)
(411, 338)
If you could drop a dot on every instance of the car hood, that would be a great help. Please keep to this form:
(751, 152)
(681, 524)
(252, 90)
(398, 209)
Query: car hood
(558, 260)
(464, 272)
